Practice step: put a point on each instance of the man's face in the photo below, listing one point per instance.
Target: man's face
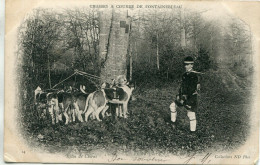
(188, 67)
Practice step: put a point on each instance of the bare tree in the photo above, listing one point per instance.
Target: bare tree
(38, 36)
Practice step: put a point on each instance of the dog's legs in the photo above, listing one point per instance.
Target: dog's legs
(97, 112)
(66, 115)
(59, 113)
(124, 110)
(60, 117)
(69, 112)
(89, 111)
(52, 115)
(104, 110)
(44, 113)
(61, 107)
(56, 114)
(117, 111)
(77, 112)
(73, 115)
(93, 116)
(80, 113)
(120, 110)
(56, 111)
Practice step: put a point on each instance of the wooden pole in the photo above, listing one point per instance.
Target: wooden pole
(49, 72)
(131, 64)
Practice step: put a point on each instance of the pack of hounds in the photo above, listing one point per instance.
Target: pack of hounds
(73, 105)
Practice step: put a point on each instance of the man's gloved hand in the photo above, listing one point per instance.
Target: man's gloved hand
(184, 97)
(181, 99)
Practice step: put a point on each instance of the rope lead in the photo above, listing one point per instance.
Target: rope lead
(77, 72)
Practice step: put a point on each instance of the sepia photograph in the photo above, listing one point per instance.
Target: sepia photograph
(131, 82)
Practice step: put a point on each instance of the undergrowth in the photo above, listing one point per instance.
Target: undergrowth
(223, 123)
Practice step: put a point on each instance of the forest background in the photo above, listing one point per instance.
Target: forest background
(54, 43)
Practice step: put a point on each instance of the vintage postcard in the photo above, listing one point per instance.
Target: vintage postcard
(132, 82)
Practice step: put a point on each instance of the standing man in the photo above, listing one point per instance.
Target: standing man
(187, 96)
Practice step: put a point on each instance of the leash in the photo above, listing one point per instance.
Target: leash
(91, 80)
(63, 80)
(87, 75)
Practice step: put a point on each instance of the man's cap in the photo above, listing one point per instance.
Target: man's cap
(188, 60)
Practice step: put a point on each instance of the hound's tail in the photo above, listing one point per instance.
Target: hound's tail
(36, 92)
(82, 89)
(87, 102)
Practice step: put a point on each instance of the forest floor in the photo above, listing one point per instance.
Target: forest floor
(223, 121)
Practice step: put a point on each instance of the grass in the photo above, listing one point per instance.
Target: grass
(223, 123)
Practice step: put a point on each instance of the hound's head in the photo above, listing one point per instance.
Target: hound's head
(37, 90)
(105, 85)
(121, 80)
(52, 99)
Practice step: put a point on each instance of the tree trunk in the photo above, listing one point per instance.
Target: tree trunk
(114, 36)
(157, 52)
(183, 33)
(49, 71)
(105, 26)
